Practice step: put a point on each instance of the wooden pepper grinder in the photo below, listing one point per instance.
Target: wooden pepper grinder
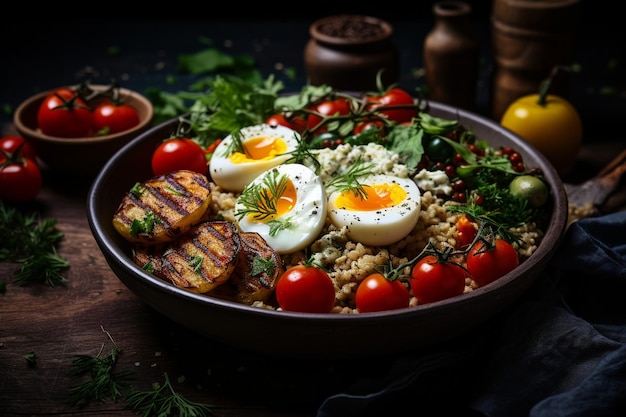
(451, 56)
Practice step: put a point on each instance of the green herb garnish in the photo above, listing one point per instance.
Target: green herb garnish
(260, 199)
(260, 265)
(196, 263)
(163, 400)
(349, 181)
(31, 358)
(145, 225)
(31, 243)
(103, 382)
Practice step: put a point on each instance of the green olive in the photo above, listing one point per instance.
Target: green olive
(531, 188)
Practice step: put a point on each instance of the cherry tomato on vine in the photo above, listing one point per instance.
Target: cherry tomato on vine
(394, 97)
(368, 125)
(10, 144)
(110, 117)
(434, 280)
(377, 293)
(488, 262)
(20, 178)
(305, 289)
(339, 106)
(298, 124)
(63, 113)
(179, 153)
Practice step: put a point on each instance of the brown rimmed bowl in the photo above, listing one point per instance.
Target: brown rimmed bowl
(85, 155)
(317, 335)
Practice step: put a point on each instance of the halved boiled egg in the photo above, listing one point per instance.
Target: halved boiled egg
(382, 212)
(243, 156)
(286, 205)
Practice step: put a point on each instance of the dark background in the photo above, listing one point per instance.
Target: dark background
(141, 49)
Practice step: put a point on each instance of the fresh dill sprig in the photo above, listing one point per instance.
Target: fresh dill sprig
(278, 225)
(31, 242)
(163, 400)
(302, 154)
(103, 382)
(236, 144)
(260, 199)
(349, 181)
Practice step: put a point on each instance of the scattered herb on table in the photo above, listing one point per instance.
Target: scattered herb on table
(32, 243)
(163, 400)
(103, 381)
(31, 358)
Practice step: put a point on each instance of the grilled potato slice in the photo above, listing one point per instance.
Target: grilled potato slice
(148, 258)
(258, 269)
(163, 208)
(204, 258)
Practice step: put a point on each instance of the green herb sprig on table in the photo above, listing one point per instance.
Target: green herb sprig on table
(103, 381)
(32, 243)
(163, 400)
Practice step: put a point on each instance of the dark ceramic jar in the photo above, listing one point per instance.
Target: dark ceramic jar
(451, 56)
(346, 52)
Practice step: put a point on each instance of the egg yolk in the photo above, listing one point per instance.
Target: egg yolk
(379, 196)
(258, 149)
(287, 201)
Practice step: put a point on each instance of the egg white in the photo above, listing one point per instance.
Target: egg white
(306, 218)
(382, 226)
(232, 171)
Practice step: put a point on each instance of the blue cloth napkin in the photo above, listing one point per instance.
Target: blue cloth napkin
(559, 351)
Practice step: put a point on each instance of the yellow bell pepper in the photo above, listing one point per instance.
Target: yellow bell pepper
(549, 123)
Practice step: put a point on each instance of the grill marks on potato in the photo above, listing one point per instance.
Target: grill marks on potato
(211, 254)
(257, 270)
(204, 258)
(166, 219)
(163, 208)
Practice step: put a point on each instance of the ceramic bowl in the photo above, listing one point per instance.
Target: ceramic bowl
(78, 156)
(317, 335)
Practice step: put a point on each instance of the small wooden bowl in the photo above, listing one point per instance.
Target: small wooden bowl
(79, 156)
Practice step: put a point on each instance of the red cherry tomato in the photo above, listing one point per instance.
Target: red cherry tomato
(394, 97)
(488, 262)
(305, 289)
(433, 280)
(297, 123)
(20, 179)
(338, 106)
(179, 153)
(368, 125)
(377, 293)
(10, 144)
(109, 118)
(467, 231)
(64, 114)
